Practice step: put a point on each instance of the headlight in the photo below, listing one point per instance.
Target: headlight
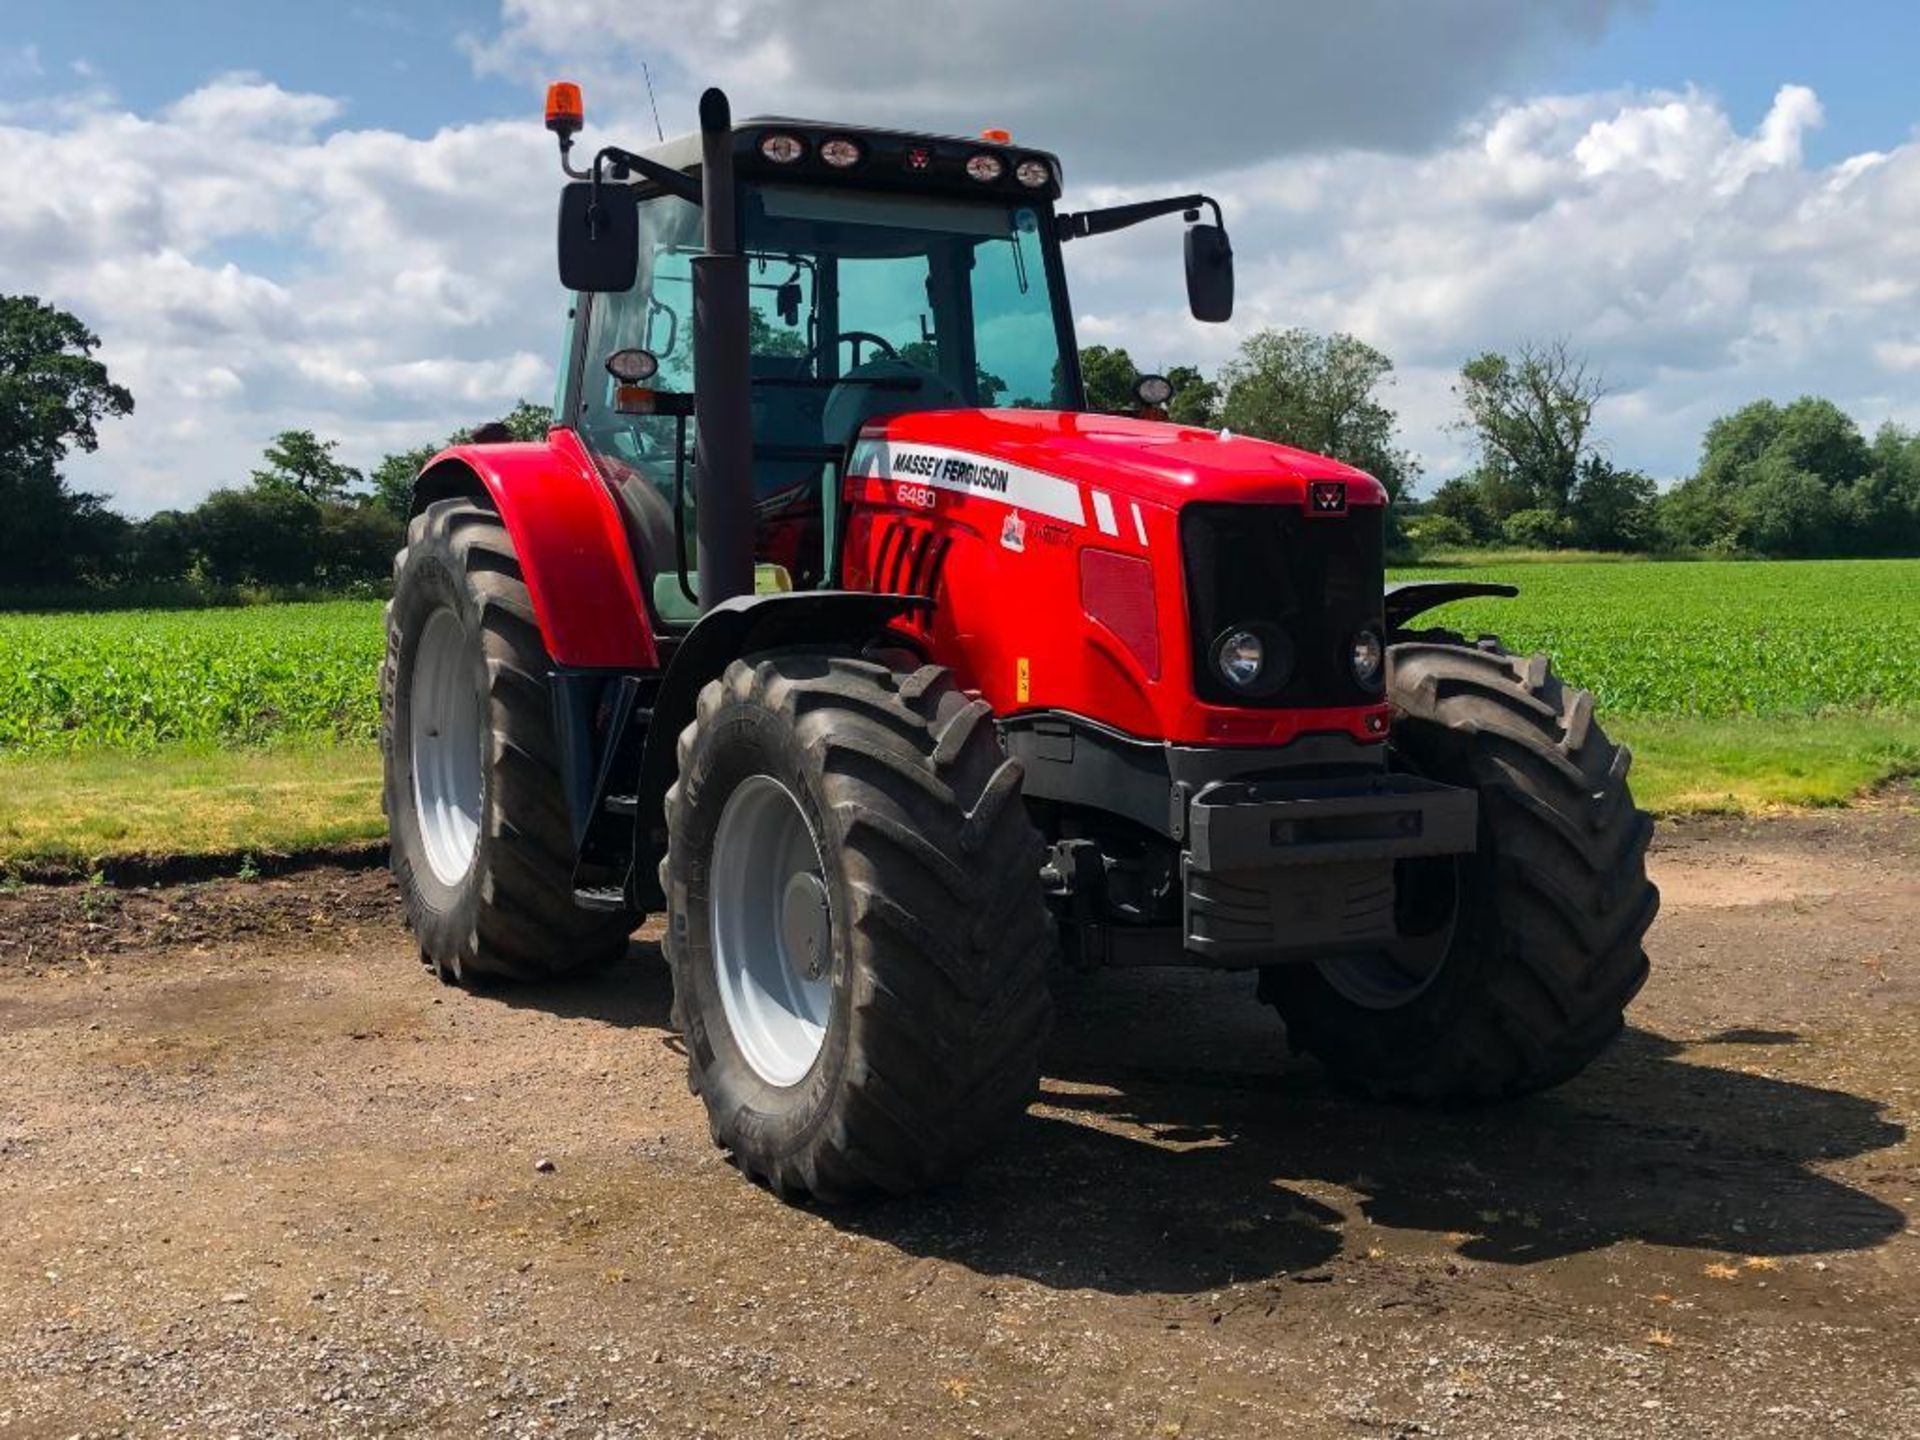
(1241, 657)
(1253, 659)
(1368, 658)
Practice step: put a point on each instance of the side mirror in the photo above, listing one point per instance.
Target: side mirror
(1209, 273)
(599, 237)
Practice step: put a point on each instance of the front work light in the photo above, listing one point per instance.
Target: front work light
(1153, 391)
(1034, 174)
(985, 168)
(633, 367)
(782, 149)
(840, 153)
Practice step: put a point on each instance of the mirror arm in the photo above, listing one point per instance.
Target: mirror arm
(1120, 217)
(674, 182)
(567, 166)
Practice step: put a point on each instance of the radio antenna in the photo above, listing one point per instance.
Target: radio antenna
(653, 102)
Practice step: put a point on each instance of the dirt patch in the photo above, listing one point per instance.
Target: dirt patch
(1794, 859)
(262, 1175)
(64, 926)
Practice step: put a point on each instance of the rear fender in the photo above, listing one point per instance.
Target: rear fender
(744, 625)
(566, 531)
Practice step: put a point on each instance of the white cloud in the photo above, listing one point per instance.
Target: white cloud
(254, 263)
(250, 266)
(1698, 266)
(245, 103)
(1898, 355)
(1122, 87)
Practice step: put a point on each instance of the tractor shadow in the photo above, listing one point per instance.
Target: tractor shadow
(1177, 1148)
(633, 992)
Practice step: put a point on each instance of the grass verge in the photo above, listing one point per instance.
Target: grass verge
(71, 813)
(1747, 766)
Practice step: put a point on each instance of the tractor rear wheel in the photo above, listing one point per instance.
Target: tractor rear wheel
(481, 844)
(856, 929)
(1517, 962)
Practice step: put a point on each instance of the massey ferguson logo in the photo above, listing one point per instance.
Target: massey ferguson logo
(974, 474)
(1327, 497)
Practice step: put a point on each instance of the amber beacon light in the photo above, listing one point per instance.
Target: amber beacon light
(565, 113)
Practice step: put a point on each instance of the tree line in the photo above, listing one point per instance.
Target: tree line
(303, 520)
(1782, 480)
(1794, 479)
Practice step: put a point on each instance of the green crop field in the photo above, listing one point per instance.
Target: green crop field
(1739, 685)
(1704, 638)
(139, 678)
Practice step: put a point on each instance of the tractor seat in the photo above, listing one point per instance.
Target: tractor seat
(647, 517)
(851, 406)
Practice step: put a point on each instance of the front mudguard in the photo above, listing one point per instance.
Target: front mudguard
(1416, 597)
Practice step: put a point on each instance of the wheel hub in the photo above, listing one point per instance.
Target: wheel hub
(772, 927)
(803, 924)
(443, 734)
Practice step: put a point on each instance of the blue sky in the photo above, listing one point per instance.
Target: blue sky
(398, 66)
(1857, 55)
(337, 216)
(403, 66)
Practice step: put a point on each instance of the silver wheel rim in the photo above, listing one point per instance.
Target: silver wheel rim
(1405, 969)
(772, 931)
(443, 729)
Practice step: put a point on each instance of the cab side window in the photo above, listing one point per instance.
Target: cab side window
(656, 314)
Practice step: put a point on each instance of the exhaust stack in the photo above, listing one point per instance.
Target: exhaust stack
(723, 418)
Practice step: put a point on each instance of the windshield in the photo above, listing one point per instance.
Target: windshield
(950, 297)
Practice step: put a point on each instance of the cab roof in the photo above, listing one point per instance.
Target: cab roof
(889, 159)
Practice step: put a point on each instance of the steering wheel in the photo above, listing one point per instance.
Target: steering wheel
(857, 338)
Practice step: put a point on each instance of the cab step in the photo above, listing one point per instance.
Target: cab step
(600, 897)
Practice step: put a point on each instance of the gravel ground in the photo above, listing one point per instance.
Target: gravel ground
(261, 1175)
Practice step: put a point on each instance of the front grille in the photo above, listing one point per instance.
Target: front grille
(1317, 578)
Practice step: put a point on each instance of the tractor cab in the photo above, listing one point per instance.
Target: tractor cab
(887, 273)
(861, 304)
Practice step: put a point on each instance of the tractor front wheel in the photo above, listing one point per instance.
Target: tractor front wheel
(480, 841)
(1515, 963)
(856, 929)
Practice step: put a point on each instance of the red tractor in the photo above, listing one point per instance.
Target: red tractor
(828, 622)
